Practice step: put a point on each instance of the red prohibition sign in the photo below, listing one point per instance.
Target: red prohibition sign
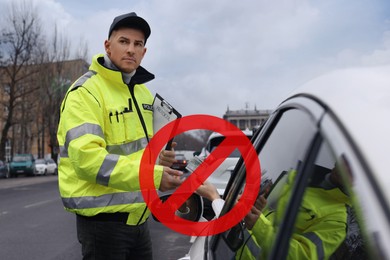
(165, 211)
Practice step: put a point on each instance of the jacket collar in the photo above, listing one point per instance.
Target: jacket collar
(141, 75)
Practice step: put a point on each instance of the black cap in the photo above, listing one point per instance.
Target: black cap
(130, 20)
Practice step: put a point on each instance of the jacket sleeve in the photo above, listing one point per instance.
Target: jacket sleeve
(318, 242)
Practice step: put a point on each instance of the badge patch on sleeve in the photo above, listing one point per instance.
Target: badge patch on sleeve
(147, 107)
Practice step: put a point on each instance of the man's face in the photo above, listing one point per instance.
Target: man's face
(126, 49)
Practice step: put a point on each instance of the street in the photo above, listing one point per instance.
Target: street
(34, 225)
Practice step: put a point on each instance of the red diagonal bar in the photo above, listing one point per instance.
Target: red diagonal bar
(202, 172)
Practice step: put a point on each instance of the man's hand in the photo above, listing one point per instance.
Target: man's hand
(260, 202)
(251, 218)
(170, 179)
(167, 157)
(255, 212)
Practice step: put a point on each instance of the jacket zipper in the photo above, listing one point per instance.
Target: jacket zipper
(131, 89)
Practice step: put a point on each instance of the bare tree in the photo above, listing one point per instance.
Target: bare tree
(82, 50)
(21, 37)
(53, 86)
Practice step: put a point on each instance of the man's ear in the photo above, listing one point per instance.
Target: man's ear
(145, 49)
(107, 46)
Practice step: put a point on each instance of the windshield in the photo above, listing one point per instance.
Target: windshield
(21, 158)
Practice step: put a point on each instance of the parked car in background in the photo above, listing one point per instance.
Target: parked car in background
(324, 154)
(40, 167)
(51, 166)
(22, 164)
(4, 173)
(181, 162)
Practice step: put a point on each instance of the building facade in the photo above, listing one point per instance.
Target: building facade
(247, 118)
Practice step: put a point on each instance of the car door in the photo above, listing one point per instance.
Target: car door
(283, 145)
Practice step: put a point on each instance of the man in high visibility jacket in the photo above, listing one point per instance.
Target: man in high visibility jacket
(105, 124)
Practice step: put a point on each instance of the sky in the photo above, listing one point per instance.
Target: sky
(209, 56)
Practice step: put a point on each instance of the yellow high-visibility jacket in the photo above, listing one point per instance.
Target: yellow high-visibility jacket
(102, 140)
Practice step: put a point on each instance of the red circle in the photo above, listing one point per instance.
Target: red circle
(165, 211)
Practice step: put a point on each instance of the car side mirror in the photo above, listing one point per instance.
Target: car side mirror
(191, 209)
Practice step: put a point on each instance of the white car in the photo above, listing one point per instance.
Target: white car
(40, 167)
(51, 166)
(335, 123)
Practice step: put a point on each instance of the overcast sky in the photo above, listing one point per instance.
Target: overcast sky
(208, 55)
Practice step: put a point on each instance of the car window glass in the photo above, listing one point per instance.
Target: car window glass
(321, 219)
(326, 226)
(284, 152)
(280, 157)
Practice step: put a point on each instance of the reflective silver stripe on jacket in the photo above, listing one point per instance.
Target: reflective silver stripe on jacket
(104, 173)
(318, 242)
(105, 200)
(123, 149)
(128, 148)
(251, 245)
(84, 78)
(78, 131)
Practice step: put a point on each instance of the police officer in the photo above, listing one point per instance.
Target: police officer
(105, 124)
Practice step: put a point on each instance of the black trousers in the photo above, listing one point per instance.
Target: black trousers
(112, 239)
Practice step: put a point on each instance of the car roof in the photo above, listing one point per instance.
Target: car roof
(360, 99)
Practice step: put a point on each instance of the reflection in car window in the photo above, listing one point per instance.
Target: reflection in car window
(321, 222)
(325, 224)
(280, 157)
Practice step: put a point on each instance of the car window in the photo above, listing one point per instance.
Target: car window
(319, 221)
(334, 231)
(40, 161)
(51, 161)
(21, 158)
(281, 156)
